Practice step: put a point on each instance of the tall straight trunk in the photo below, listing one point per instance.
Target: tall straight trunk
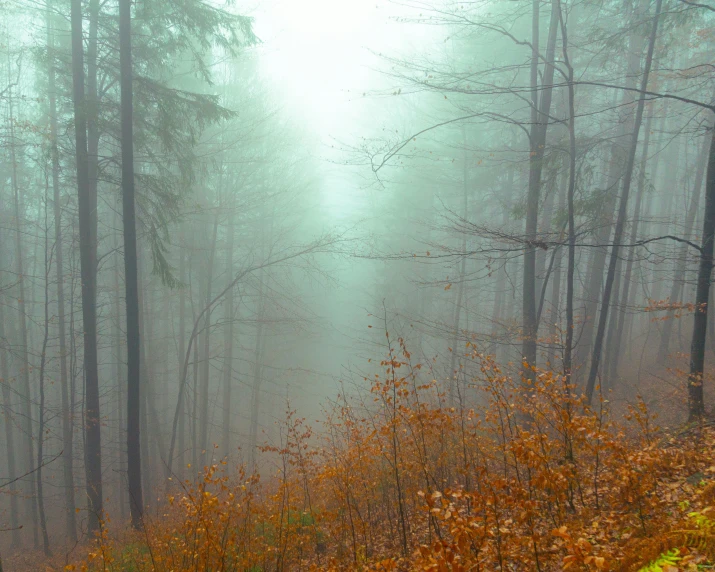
(8, 413)
(543, 256)
(92, 100)
(501, 284)
(182, 352)
(228, 348)
(610, 337)
(195, 412)
(67, 437)
(27, 429)
(258, 354)
(146, 382)
(660, 271)
(571, 265)
(556, 282)
(676, 290)
(648, 211)
(119, 380)
(206, 361)
(41, 387)
(168, 328)
(696, 405)
(597, 266)
(148, 368)
(453, 373)
(537, 141)
(622, 212)
(257, 382)
(131, 269)
(597, 262)
(626, 297)
(93, 440)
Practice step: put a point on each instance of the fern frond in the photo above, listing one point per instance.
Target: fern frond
(670, 558)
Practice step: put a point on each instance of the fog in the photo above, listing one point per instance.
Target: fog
(313, 181)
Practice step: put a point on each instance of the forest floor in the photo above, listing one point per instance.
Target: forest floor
(540, 482)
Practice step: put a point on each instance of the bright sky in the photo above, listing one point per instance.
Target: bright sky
(321, 53)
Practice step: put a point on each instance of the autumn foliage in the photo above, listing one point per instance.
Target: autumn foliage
(510, 475)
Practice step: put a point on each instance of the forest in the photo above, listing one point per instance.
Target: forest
(357, 285)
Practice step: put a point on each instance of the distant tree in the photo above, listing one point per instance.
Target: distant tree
(93, 451)
(136, 504)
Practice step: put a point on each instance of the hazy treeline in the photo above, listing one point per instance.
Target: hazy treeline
(534, 178)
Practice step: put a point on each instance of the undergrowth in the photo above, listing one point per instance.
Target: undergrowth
(510, 475)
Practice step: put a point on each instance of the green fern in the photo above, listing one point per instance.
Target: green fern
(670, 558)
(702, 521)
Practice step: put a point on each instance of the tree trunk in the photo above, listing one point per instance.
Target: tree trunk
(146, 381)
(537, 140)
(206, 357)
(625, 299)
(453, 366)
(502, 275)
(676, 290)
(93, 124)
(93, 452)
(119, 380)
(67, 437)
(622, 212)
(182, 351)
(612, 325)
(41, 384)
(257, 382)
(228, 349)
(29, 447)
(570, 271)
(194, 413)
(8, 413)
(131, 271)
(556, 283)
(696, 405)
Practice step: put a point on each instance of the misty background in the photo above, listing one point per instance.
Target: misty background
(313, 174)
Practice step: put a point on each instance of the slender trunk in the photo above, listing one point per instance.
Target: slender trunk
(145, 388)
(8, 413)
(501, 285)
(92, 99)
(41, 383)
(25, 388)
(453, 374)
(93, 452)
(194, 412)
(131, 270)
(663, 226)
(570, 202)
(696, 405)
(258, 357)
(617, 351)
(257, 381)
(67, 437)
(182, 352)
(556, 284)
(228, 349)
(676, 290)
(612, 325)
(206, 361)
(622, 212)
(597, 266)
(119, 379)
(537, 140)
(543, 256)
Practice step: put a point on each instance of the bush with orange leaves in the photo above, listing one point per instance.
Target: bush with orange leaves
(503, 475)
